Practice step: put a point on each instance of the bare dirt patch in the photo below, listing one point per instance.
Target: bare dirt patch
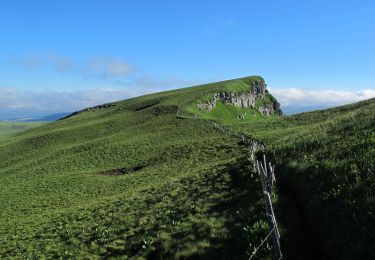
(122, 171)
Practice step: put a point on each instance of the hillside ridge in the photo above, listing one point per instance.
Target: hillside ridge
(134, 180)
(248, 95)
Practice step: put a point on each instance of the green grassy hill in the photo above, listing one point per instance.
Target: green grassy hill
(9, 128)
(131, 179)
(151, 177)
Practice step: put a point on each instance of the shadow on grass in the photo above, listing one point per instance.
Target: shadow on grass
(216, 213)
(242, 208)
(299, 240)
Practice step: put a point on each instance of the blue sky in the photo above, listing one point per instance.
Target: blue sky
(309, 52)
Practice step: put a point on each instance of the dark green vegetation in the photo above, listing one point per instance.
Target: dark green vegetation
(134, 180)
(325, 165)
(8, 128)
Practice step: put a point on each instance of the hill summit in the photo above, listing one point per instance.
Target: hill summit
(229, 101)
(255, 97)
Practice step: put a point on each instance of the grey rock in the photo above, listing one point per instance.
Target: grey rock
(270, 109)
(245, 100)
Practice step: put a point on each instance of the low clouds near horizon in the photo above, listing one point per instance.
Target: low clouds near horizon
(303, 97)
(12, 99)
(16, 101)
(123, 80)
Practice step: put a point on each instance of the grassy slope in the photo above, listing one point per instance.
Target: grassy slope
(9, 128)
(186, 190)
(182, 191)
(325, 162)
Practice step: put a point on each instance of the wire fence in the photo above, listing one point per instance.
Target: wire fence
(267, 176)
(260, 245)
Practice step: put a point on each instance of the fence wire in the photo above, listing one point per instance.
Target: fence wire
(261, 244)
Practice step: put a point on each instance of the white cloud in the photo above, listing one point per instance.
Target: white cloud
(302, 97)
(13, 100)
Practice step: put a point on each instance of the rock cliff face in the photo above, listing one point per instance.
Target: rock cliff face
(257, 91)
(270, 109)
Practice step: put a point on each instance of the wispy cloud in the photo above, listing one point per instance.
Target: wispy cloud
(30, 61)
(216, 25)
(225, 23)
(53, 101)
(159, 84)
(60, 63)
(121, 80)
(302, 97)
(109, 67)
(105, 67)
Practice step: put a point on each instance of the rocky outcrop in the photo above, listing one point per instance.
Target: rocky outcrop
(257, 91)
(270, 109)
(208, 106)
(98, 107)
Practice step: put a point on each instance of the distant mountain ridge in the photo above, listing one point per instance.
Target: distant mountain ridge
(50, 118)
(292, 109)
(33, 118)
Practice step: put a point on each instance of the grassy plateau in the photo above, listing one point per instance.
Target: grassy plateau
(143, 179)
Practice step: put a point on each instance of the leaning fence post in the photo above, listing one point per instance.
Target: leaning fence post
(261, 175)
(273, 226)
(267, 174)
(271, 176)
(265, 164)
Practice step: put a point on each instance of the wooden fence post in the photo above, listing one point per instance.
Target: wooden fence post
(273, 226)
(261, 175)
(267, 177)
